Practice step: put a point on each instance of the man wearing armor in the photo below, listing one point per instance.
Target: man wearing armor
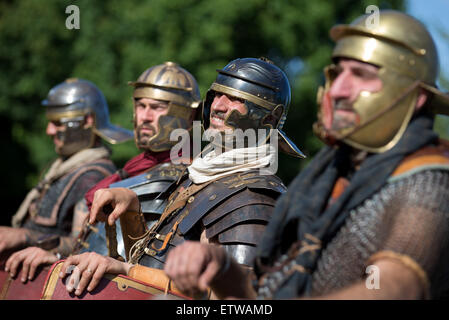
(220, 200)
(165, 98)
(368, 217)
(78, 120)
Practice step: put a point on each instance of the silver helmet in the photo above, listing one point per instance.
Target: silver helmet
(69, 102)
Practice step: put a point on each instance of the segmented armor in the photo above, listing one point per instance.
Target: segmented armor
(232, 211)
(153, 189)
(52, 212)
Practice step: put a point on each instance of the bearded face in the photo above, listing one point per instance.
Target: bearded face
(342, 116)
(350, 79)
(146, 119)
(144, 132)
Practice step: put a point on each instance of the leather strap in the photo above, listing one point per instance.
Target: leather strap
(180, 200)
(431, 155)
(169, 235)
(339, 187)
(158, 278)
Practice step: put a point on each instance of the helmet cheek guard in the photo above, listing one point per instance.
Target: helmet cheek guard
(75, 136)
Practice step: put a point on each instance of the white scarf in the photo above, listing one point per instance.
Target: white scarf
(213, 166)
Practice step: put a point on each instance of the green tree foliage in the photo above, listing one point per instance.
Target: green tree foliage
(118, 40)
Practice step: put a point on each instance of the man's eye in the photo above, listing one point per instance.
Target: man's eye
(364, 74)
(334, 71)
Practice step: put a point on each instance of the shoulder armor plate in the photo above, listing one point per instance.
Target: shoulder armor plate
(165, 173)
(223, 189)
(256, 214)
(243, 233)
(151, 186)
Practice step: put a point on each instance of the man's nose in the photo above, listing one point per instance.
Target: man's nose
(220, 103)
(51, 129)
(148, 114)
(341, 87)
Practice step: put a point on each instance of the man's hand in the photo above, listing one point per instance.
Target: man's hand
(88, 270)
(120, 199)
(193, 266)
(30, 258)
(11, 238)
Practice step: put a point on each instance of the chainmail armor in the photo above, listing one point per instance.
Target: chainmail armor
(409, 216)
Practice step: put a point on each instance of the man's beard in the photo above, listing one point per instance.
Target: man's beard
(143, 139)
(348, 119)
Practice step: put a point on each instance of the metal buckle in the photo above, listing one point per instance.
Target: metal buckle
(160, 236)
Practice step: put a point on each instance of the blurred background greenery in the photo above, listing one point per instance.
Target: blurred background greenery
(118, 40)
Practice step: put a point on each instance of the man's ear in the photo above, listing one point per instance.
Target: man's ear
(423, 96)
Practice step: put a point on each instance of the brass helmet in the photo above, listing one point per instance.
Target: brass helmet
(170, 83)
(407, 58)
(266, 93)
(68, 103)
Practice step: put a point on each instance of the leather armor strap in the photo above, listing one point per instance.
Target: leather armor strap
(339, 187)
(180, 199)
(176, 200)
(168, 236)
(428, 156)
(431, 155)
(152, 276)
(158, 278)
